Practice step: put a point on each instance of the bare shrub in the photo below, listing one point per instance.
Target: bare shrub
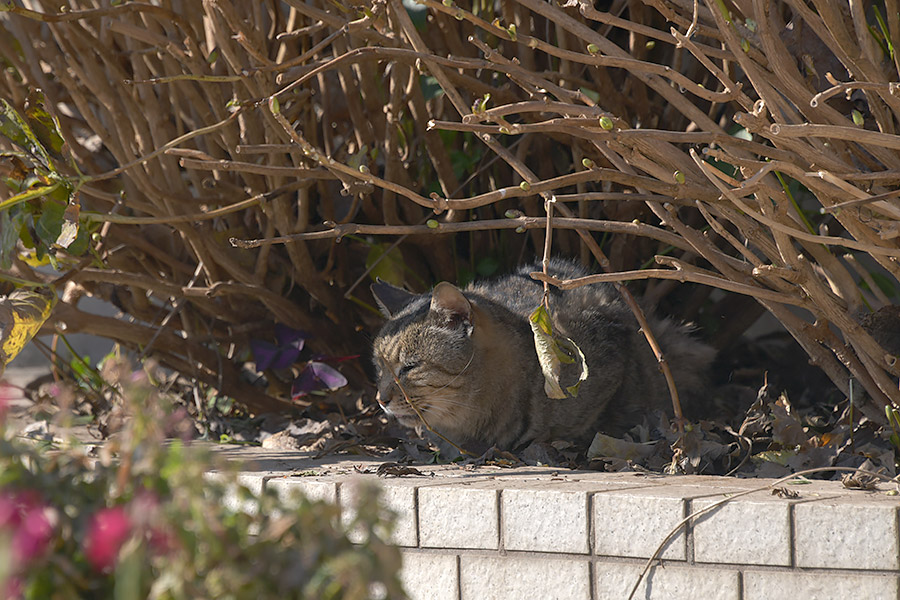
(751, 149)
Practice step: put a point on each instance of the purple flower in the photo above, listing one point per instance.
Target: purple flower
(108, 530)
(280, 355)
(317, 376)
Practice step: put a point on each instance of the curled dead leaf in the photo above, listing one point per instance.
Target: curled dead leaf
(553, 351)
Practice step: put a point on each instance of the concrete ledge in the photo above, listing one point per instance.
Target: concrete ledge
(544, 533)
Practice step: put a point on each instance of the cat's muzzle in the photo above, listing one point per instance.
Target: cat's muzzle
(383, 405)
(396, 411)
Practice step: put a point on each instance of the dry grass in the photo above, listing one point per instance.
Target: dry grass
(750, 145)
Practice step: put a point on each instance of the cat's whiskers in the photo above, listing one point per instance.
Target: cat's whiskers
(458, 375)
(444, 404)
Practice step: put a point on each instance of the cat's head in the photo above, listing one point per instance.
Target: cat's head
(424, 355)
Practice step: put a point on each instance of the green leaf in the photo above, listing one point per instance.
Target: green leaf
(487, 266)
(430, 87)
(35, 192)
(885, 283)
(44, 126)
(592, 94)
(16, 129)
(779, 457)
(10, 226)
(81, 243)
(885, 31)
(129, 570)
(389, 267)
(417, 12)
(49, 225)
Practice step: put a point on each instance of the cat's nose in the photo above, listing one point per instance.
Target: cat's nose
(381, 402)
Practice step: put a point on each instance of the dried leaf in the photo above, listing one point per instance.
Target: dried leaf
(860, 481)
(397, 470)
(787, 429)
(553, 351)
(605, 446)
(783, 492)
(69, 228)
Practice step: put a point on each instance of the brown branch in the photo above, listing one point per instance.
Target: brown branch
(338, 231)
(682, 275)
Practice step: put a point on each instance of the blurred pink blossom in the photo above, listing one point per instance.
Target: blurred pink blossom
(31, 522)
(108, 530)
(12, 505)
(147, 516)
(33, 535)
(13, 588)
(6, 396)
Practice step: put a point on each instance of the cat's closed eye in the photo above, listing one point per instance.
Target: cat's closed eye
(407, 368)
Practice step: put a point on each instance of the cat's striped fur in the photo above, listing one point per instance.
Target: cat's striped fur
(466, 360)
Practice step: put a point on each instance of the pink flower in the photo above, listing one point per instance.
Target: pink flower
(31, 522)
(13, 589)
(108, 530)
(6, 396)
(147, 517)
(10, 509)
(33, 535)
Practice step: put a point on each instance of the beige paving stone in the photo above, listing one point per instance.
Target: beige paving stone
(314, 489)
(545, 520)
(518, 578)
(400, 500)
(614, 581)
(458, 517)
(770, 585)
(233, 497)
(850, 534)
(752, 530)
(430, 576)
(633, 523)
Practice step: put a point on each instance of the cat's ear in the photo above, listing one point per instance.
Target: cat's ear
(450, 306)
(390, 298)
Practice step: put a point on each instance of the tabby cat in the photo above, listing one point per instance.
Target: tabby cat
(467, 361)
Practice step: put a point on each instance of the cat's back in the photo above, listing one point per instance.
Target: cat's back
(521, 294)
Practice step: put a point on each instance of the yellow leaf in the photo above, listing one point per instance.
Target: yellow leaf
(31, 259)
(22, 314)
